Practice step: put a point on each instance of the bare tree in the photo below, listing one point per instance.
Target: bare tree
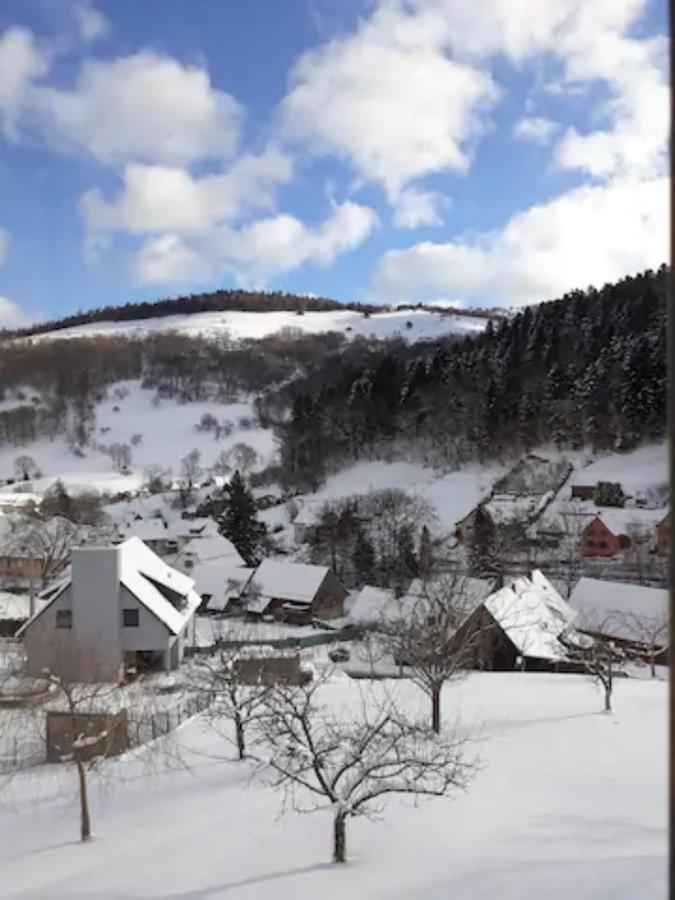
(423, 634)
(355, 758)
(601, 659)
(651, 632)
(156, 478)
(120, 456)
(243, 457)
(47, 543)
(190, 468)
(25, 467)
(231, 695)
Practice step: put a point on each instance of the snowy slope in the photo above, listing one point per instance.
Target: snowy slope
(569, 802)
(168, 434)
(425, 325)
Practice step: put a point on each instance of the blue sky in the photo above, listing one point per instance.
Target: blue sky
(496, 153)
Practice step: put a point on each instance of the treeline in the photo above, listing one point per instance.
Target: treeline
(588, 369)
(216, 301)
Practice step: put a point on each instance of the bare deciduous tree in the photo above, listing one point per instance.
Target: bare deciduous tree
(25, 467)
(48, 543)
(190, 468)
(243, 457)
(353, 759)
(601, 659)
(423, 635)
(651, 631)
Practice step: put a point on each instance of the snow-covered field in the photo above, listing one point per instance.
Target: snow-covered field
(569, 802)
(425, 325)
(168, 434)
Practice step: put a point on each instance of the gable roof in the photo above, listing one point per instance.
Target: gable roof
(371, 604)
(533, 616)
(284, 580)
(150, 580)
(622, 520)
(611, 604)
(210, 548)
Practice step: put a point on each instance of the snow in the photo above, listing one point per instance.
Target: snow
(452, 494)
(426, 325)
(168, 434)
(292, 581)
(568, 802)
(626, 520)
(637, 471)
(370, 605)
(602, 600)
(209, 548)
(14, 606)
(533, 616)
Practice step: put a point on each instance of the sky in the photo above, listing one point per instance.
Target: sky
(495, 153)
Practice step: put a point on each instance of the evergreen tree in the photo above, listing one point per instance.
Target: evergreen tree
(363, 557)
(425, 554)
(58, 502)
(238, 522)
(482, 548)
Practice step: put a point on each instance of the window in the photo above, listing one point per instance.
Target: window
(64, 618)
(130, 618)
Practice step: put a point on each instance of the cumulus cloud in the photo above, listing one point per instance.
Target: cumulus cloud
(534, 128)
(91, 22)
(590, 235)
(388, 99)
(256, 251)
(21, 61)
(415, 207)
(171, 199)
(11, 314)
(146, 107)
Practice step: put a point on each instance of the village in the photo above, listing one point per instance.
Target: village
(556, 569)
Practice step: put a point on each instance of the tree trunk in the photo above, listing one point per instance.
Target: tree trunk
(652, 664)
(85, 824)
(339, 839)
(608, 698)
(436, 709)
(241, 743)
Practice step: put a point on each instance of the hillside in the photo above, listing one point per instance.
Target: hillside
(412, 325)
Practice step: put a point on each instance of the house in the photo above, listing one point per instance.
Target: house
(154, 533)
(15, 611)
(612, 531)
(120, 609)
(38, 550)
(215, 566)
(632, 615)
(534, 476)
(663, 536)
(306, 522)
(19, 502)
(522, 625)
(223, 595)
(294, 592)
(371, 605)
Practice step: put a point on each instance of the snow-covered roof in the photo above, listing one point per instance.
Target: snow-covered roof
(309, 514)
(624, 520)
(14, 606)
(287, 580)
(636, 471)
(209, 580)
(533, 615)
(140, 567)
(198, 527)
(149, 579)
(506, 508)
(211, 547)
(610, 605)
(17, 499)
(370, 605)
(153, 529)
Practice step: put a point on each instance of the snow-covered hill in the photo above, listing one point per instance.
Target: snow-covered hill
(424, 325)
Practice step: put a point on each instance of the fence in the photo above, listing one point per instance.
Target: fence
(145, 728)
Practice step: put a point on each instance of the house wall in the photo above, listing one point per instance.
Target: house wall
(49, 647)
(329, 600)
(583, 491)
(97, 621)
(20, 567)
(151, 634)
(464, 528)
(598, 541)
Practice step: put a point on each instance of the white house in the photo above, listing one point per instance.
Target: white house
(120, 608)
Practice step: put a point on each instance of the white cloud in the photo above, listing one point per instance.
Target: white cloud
(534, 128)
(171, 199)
(21, 61)
(590, 235)
(143, 108)
(256, 251)
(91, 22)
(388, 99)
(415, 207)
(4, 244)
(11, 314)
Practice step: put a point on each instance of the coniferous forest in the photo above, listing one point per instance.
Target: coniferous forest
(587, 369)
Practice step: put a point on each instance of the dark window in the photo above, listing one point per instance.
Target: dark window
(64, 618)
(130, 618)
